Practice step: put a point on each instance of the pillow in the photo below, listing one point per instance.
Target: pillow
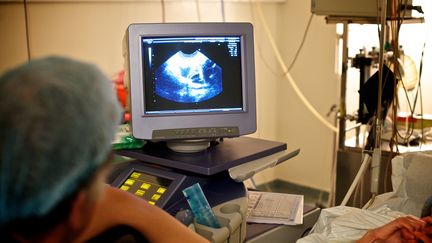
(411, 181)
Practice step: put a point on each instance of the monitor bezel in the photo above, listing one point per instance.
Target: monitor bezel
(143, 125)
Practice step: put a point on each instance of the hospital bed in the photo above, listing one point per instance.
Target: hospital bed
(412, 186)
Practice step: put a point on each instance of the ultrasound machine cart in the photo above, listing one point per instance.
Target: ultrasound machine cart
(191, 83)
(158, 175)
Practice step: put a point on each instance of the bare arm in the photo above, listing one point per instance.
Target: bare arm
(117, 207)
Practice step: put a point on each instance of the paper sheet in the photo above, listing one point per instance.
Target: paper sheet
(274, 208)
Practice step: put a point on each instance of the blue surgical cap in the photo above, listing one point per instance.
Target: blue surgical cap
(57, 119)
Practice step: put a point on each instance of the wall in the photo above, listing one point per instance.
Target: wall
(315, 75)
(93, 31)
(12, 36)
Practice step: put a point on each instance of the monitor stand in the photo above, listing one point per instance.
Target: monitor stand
(227, 154)
(188, 146)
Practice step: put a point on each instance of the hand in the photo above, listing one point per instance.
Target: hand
(398, 230)
(426, 234)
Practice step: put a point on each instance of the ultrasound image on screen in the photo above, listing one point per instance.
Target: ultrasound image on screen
(192, 74)
(188, 78)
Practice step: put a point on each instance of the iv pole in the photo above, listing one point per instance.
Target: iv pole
(376, 156)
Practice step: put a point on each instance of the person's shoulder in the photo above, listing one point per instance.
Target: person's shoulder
(7, 236)
(119, 234)
(119, 198)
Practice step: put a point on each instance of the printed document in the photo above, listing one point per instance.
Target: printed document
(274, 208)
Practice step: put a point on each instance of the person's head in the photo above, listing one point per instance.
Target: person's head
(57, 119)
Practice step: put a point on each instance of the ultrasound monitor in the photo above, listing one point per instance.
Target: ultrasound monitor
(191, 81)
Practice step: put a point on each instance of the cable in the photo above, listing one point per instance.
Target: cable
(222, 3)
(332, 195)
(380, 78)
(360, 188)
(371, 201)
(362, 179)
(258, 45)
(421, 112)
(395, 34)
(376, 156)
(198, 10)
(387, 169)
(27, 30)
(365, 163)
(418, 95)
(410, 128)
(301, 43)
(288, 76)
(421, 95)
(163, 11)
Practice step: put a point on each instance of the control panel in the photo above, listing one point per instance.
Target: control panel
(196, 133)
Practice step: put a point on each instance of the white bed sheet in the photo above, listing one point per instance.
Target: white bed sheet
(412, 185)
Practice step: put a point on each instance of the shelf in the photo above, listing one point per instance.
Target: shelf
(368, 20)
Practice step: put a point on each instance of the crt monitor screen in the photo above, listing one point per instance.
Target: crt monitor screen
(191, 80)
(192, 74)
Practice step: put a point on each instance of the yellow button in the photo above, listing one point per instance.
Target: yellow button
(139, 193)
(155, 197)
(135, 175)
(124, 188)
(161, 190)
(152, 203)
(129, 182)
(145, 186)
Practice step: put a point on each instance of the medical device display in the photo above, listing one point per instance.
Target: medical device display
(191, 80)
(149, 187)
(202, 75)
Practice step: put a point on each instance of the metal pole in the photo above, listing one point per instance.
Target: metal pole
(378, 119)
(342, 108)
(376, 156)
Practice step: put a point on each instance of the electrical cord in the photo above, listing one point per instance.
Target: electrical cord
(410, 122)
(387, 169)
(163, 11)
(198, 10)
(362, 181)
(421, 96)
(288, 76)
(371, 201)
(332, 195)
(360, 184)
(397, 18)
(290, 79)
(301, 44)
(258, 46)
(419, 90)
(27, 31)
(378, 123)
(380, 77)
(358, 188)
(222, 3)
(366, 158)
(410, 129)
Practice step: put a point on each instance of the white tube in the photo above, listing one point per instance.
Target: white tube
(288, 75)
(364, 165)
(375, 170)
